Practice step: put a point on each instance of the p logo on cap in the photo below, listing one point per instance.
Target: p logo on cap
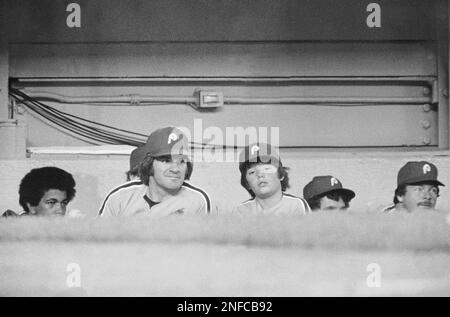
(333, 181)
(414, 172)
(172, 137)
(254, 149)
(259, 153)
(426, 168)
(166, 141)
(321, 185)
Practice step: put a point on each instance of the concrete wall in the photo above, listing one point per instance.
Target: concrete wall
(55, 69)
(219, 20)
(371, 175)
(238, 39)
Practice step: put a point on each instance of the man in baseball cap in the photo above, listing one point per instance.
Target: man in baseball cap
(417, 187)
(266, 180)
(162, 189)
(326, 193)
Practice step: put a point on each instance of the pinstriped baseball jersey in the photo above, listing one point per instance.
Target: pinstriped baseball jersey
(131, 199)
(288, 205)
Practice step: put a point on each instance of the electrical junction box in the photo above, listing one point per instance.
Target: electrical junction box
(208, 99)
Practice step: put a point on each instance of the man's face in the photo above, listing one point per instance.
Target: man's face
(169, 172)
(327, 204)
(263, 180)
(53, 203)
(419, 197)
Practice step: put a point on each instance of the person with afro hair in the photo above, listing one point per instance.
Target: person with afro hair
(45, 191)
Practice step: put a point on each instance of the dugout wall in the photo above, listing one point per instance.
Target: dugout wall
(323, 72)
(355, 88)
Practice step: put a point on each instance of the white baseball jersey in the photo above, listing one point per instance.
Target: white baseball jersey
(390, 208)
(396, 208)
(12, 213)
(131, 199)
(288, 205)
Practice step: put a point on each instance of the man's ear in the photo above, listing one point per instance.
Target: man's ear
(31, 209)
(400, 198)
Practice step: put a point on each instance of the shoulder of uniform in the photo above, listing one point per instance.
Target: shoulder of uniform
(244, 206)
(10, 213)
(201, 192)
(289, 196)
(119, 189)
(251, 200)
(125, 186)
(301, 200)
(292, 196)
(389, 208)
(196, 189)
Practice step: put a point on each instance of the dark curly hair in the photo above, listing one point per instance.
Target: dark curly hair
(38, 181)
(146, 168)
(134, 172)
(282, 175)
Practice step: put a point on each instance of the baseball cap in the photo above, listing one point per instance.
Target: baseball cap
(259, 152)
(137, 156)
(324, 184)
(418, 172)
(166, 141)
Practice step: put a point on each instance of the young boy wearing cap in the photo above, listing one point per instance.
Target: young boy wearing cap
(326, 193)
(162, 190)
(417, 187)
(265, 179)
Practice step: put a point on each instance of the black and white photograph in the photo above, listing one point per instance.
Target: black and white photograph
(224, 153)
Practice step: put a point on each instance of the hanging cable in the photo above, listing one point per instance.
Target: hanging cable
(89, 129)
(94, 131)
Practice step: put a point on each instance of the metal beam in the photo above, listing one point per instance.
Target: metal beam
(134, 99)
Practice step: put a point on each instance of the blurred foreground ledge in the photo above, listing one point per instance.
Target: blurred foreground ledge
(313, 255)
(427, 231)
